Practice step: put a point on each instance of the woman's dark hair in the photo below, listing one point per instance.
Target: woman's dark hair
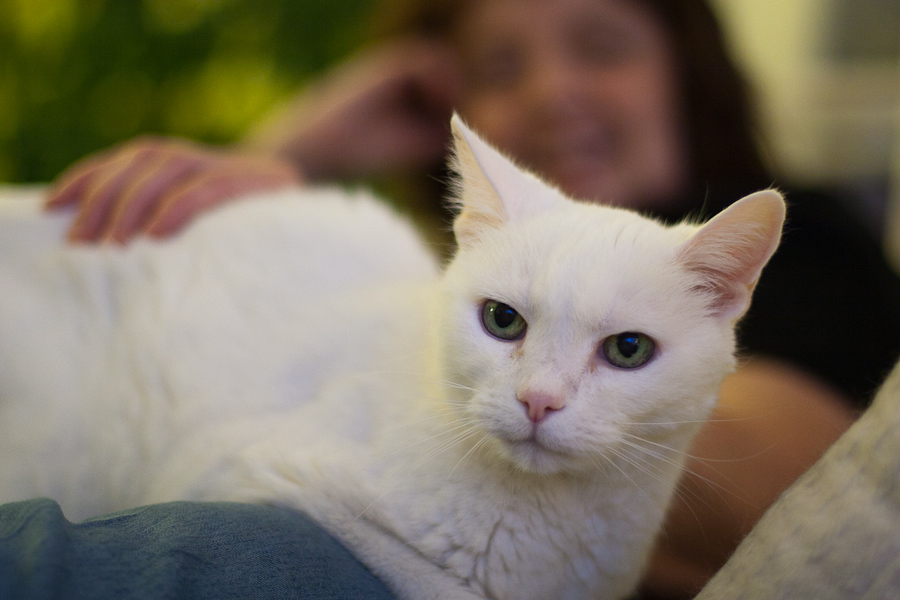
(725, 156)
(718, 111)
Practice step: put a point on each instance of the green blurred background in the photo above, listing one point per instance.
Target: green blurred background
(80, 75)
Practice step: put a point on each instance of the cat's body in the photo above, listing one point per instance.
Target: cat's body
(302, 349)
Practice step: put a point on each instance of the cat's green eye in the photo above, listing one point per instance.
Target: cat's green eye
(502, 321)
(628, 350)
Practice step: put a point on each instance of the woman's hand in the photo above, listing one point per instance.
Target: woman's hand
(387, 110)
(155, 186)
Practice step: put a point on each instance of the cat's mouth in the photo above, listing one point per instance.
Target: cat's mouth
(533, 453)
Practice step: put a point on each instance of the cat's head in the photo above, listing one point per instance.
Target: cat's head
(582, 328)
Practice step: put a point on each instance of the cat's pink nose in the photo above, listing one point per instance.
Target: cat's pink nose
(539, 404)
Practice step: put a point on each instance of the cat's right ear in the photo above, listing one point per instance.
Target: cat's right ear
(491, 190)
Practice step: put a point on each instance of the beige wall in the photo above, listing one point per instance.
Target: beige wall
(827, 122)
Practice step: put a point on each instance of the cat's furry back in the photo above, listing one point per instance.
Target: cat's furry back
(466, 435)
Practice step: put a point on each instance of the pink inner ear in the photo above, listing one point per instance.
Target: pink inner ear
(728, 270)
(726, 290)
(728, 265)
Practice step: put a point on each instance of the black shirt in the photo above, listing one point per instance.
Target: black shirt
(828, 302)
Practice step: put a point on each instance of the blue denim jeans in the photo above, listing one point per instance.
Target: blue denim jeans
(176, 550)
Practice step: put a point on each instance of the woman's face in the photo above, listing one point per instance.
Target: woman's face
(583, 92)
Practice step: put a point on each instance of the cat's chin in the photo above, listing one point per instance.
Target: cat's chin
(533, 457)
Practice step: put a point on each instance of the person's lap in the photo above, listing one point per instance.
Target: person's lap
(176, 550)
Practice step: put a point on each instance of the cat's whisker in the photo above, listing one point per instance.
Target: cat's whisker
(625, 474)
(457, 386)
(701, 459)
(685, 468)
(437, 430)
(680, 492)
(467, 433)
(690, 422)
(688, 497)
(401, 449)
(423, 377)
(413, 433)
(714, 486)
(677, 491)
(374, 501)
(414, 424)
(708, 420)
(643, 460)
(467, 454)
(456, 440)
(420, 426)
(640, 464)
(453, 429)
(655, 454)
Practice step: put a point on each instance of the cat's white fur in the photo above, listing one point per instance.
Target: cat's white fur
(302, 349)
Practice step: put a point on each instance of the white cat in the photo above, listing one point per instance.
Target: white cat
(512, 428)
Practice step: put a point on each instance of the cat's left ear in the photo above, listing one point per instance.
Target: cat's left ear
(730, 251)
(492, 190)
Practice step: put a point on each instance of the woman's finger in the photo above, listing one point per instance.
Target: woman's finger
(230, 180)
(69, 187)
(141, 197)
(98, 195)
